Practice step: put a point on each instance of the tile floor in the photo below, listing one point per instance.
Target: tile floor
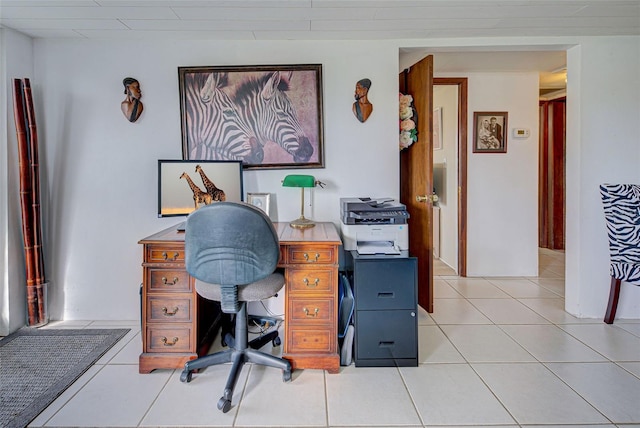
(495, 352)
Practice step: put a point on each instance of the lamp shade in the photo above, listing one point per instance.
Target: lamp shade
(296, 180)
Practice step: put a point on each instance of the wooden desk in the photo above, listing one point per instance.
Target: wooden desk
(176, 321)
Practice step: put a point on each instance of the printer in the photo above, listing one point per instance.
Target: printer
(374, 225)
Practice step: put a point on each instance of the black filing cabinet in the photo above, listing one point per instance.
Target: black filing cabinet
(386, 303)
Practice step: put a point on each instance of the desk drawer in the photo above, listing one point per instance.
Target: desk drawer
(310, 310)
(165, 254)
(169, 338)
(169, 280)
(310, 280)
(310, 340)
(169, 309)
(308, 255)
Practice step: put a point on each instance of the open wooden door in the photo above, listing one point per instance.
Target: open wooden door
(416, 176)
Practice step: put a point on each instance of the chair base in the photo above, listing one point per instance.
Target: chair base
(614, 295)
(240, 354)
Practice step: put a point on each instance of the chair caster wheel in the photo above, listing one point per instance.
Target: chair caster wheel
(276, 341)
(286, 375)
(185, 376)
(224, 405)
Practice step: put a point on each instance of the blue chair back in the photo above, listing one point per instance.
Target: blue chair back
(230, 243)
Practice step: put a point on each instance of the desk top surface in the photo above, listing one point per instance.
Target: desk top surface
(325, 232)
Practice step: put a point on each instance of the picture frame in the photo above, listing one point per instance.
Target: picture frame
(225, 115)
(488, 138)
(260, 200)
(176, 196)
(437, 128)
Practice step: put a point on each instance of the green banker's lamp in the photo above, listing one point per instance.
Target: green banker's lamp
(301, 181)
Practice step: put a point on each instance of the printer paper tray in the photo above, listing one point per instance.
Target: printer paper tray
(377, 248)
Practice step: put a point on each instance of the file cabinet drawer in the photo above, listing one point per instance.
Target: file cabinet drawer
(386, 334)
(387, 284)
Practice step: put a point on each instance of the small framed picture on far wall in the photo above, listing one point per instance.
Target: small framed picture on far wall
(260, 200)
(490, 132)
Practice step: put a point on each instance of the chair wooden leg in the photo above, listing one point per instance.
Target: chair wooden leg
(614, 294)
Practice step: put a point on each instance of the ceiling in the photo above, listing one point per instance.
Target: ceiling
(320, 19)
(337, 20)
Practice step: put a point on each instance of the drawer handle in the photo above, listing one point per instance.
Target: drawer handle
(166, 312)
(306, 257)
(313, 315)
(165, 341)
(166, 256)
(315, 283)
(388, 295)
(165, 281)
(386, 344)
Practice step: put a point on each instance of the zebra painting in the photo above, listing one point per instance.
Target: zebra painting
(214, 130)
(264, 106)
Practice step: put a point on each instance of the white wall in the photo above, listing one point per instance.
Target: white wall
(603, 96)
(503, 188)
(17, 62)
(446, 97)
(100, 170)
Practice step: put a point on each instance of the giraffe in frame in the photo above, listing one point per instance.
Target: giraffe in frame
(199, 197)
(216, 193)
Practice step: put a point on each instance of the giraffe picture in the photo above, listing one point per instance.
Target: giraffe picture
(184, 186)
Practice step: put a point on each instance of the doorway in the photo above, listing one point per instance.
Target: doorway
(450, 172)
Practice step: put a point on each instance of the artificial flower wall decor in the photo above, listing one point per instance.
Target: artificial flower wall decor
(408, 119)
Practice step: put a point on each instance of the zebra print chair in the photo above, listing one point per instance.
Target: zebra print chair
(622, 214)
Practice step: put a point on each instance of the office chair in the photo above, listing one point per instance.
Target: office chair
(622, 214)
(232, 250)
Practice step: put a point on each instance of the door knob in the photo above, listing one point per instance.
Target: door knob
(427, 198)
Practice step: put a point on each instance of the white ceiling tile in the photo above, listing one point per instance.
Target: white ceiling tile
(272, 13)
(88, 13)
(54, 34)
(391, 25)
(239, 13)
(475, 12)
(586, 22)
(49, 3)
(61, 24)
(343, 35)
(203, 25)
(168, 35)
(611, 10)
(208, 3)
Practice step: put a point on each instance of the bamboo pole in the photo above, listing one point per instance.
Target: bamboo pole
(39, 275)
(25, 198)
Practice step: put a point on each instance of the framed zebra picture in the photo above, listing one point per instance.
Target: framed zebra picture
(267, 116)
